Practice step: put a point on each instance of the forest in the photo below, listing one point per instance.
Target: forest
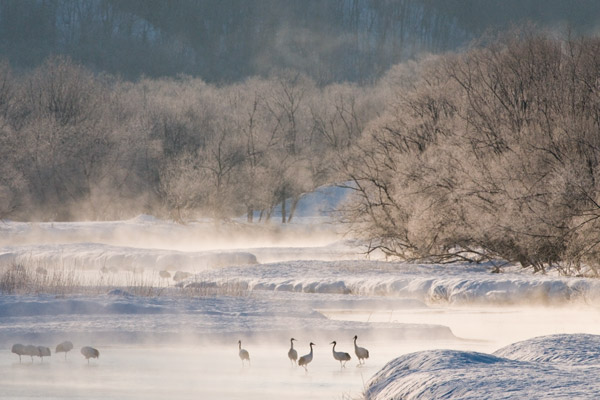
(222, 41)
(480, 151)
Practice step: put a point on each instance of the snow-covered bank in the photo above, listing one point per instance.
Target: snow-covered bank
(551, 367)
(95, 256)
(453, 284)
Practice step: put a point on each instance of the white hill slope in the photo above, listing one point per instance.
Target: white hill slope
(550, 367)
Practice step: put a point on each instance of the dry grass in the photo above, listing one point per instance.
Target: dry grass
(20, 279)
(24, 279)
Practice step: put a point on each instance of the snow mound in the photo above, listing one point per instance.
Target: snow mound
(449, 374)
(580, 349)
(99, 256)
(457, 284)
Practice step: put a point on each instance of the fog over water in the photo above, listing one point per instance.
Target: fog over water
(159, 338)
(199, 368)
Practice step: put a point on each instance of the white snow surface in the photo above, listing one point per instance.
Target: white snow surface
(96, 256)
(454, 284)
(549, 367)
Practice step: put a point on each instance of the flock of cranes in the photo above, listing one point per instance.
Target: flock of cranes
(90, 352)
(361, 353)
(42, 351)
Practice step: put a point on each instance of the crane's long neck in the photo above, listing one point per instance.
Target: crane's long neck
(311, 349)
(292, 343)
(334, 347)
(240, 345)
(355, 346)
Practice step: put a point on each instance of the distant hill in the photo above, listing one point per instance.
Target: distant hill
(229, 40)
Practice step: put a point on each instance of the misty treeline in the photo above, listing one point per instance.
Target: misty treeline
(492, 153)
(230, 40)
(77, 145)
(489, 154)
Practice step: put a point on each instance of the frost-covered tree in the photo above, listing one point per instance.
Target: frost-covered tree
(490, 154)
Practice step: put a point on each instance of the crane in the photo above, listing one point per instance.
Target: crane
(305, 359)
(361, 352)
(244, 355)
(64, 347)
(292, 354)
(340, 356)
(89, 352)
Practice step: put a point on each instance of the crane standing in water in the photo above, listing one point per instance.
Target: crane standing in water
(361, 352)
(340, 356)
(292, 353)
(244, 355)
(306, 359)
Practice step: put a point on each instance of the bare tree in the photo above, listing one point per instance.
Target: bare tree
(490, 155)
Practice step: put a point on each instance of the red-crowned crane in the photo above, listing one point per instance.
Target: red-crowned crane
(340, 356)
(306, 359)
(89, 352)
(361, 352)
(292, 354)
(244, 355)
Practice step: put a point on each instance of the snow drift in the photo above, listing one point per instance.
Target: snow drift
(540, 368)
(457, 284)
(96, 256)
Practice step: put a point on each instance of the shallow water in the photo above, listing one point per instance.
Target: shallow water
(488, 328)
(211, 371)
(179, 372)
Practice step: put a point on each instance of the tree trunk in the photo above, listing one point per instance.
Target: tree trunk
(293, 210)
(283, 220)
(250, 215)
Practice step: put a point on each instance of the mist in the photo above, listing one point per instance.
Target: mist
(414, 177)
(158, 337)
